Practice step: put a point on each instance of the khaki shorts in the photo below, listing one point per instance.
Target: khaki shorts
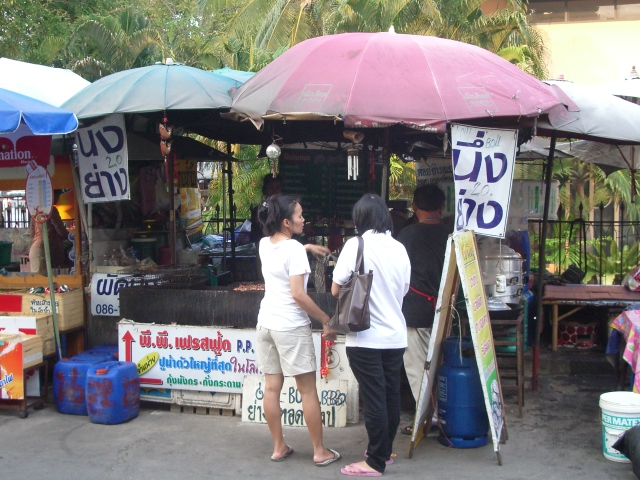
(289, 353)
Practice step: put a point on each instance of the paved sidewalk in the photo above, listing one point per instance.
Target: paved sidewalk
(559, 437)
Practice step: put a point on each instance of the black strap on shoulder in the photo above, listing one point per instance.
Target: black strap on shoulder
(359, 261)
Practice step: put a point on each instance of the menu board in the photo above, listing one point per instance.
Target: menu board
(319, 178)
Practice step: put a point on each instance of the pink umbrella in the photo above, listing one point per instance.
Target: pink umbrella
(382, 79)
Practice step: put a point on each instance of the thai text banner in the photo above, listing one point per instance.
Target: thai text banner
(105, 293)
(184, 357)
(103, 161)
(483, 161)
(481, 335)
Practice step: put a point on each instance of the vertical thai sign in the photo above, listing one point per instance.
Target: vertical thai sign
(38, 192)
(471, 281)
(483, 161)
(103, 161)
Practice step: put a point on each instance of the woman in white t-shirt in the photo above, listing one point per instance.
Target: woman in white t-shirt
(376, 355)
(285, 346)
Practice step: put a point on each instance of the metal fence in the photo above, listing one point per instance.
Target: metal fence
(14, 213)
(604, 249)
(215, 224)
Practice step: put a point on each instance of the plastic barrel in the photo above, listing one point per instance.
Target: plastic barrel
(5, 252)
(69, 383)
(145, 248)
(620, 412)
(461, 406)
(113, 392)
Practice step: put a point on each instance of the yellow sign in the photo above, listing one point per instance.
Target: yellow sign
(187, 173)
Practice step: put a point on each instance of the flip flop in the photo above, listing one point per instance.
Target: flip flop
(359, 472)
(280, 459)
(329, 461)
(388, 462)
(407, 430)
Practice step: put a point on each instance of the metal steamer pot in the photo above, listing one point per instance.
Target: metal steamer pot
(502, 274)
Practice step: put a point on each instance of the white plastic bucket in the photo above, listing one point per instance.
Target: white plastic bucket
(620, 411)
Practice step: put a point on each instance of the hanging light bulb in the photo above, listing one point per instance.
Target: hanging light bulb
(273, 151)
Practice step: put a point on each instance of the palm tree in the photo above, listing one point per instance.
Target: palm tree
(248, 173)
(504, 32)
(115, 43)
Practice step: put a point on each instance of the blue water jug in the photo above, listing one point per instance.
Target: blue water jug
(113, 392)
(70, 380)
(461, 407)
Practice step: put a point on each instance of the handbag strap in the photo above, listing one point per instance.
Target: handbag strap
(359, 259)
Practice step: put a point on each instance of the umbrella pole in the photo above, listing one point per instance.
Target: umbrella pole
(232, 212)
(52, 298)
(172, 206)
(541, 266)
(386, 158)
(84, 222)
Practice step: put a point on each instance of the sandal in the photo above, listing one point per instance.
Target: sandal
(407, 430)
(359, 472)
(280, 459)
(329, 461)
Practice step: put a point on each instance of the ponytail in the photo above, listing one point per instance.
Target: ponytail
(274, 210)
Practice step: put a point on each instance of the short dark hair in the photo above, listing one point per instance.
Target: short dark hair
(429, 198)
(274, 210)
(371, 213)
(269, 179)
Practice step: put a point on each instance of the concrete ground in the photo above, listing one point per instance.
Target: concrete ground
(559, 437)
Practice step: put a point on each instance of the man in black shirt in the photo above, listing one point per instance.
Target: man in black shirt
(426, 242)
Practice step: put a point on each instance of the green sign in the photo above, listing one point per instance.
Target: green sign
(471, 281)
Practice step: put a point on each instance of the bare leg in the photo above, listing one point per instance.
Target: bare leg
(306, 384)
(271, 405)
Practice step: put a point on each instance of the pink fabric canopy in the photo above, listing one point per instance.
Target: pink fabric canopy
(382, 79)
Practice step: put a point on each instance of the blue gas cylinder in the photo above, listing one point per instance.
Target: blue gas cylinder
(69, 382)
(113, 392)
(461, 407)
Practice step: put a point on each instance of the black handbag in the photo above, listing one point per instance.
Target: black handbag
(352, 310)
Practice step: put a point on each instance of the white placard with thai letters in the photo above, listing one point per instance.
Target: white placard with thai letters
(105, 293)
(188, 357)
(483, 161)
(331, 393)
(103, 160)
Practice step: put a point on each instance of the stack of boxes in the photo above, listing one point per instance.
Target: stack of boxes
(18, 352)
(27, 336)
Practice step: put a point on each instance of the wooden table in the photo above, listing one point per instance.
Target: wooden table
(581, 296)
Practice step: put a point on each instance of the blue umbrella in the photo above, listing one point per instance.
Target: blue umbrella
(40, 117)
(155, 88)
(238, 75)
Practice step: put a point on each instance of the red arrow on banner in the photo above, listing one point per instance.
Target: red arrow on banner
(128, 349)
(128, 346)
